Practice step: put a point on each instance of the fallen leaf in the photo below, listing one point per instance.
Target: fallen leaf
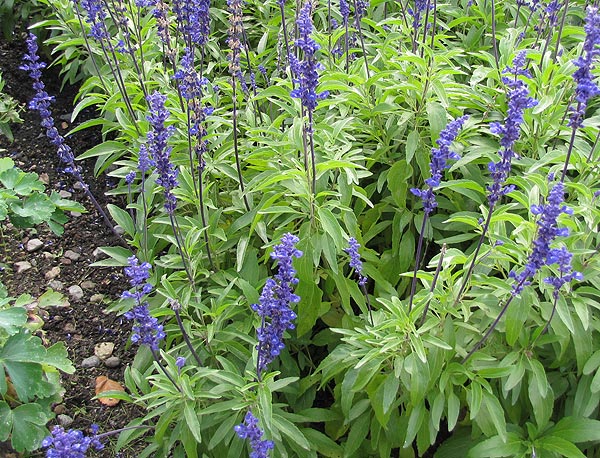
(103, 383)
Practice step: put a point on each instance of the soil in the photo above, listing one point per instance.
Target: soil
(84, 323)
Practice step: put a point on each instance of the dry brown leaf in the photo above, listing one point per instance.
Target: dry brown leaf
(103, 383)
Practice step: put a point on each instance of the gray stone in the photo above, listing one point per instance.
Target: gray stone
(96, 298)
(64, 420)
(78, 185)
(52, 273)
(98, 253)
(75, 214)
(72, 255)
(113, 361)
(65, 194)
(87, 284)
(75, 292)
(22, 266)
(34, 245)
(56, 285)
(92, 361)
(104, 350)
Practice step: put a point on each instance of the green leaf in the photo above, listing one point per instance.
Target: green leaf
(28, 426)
(436, 114)
(559, 445)
(498, 447)
(325, 446)
(12, 319)
(290, 430)
(122, 218)
(192, 420)
(577, 430)
(6, 163)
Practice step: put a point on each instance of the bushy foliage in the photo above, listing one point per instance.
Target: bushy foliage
(465, 321)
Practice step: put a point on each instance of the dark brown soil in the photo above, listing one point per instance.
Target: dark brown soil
(84, 323)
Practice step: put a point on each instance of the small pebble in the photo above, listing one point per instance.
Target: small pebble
(60, 409)
(113, 361)
(72, 255)
(56, 285)
(75, 292)
(47, 255)
(64, 420)
(44, 178)
(96, 298)
(65, 261)
(52, 273)
(92, 361)
(97, 253)
(75, 214)
(104, 350)
(22, 266)
(78, 186)
(64, 194)
(119, 230)
(88, 284)
(34, 245)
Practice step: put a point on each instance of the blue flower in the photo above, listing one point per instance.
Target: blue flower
(70, 444)
(510, 131)
(157, 147)
(547, 231)
(95, 16)
(42, 101)
(274, 304)
(305, 71)
(439, 162)
(146, 330)
(586, 87)
(251, 431)
(355, 261)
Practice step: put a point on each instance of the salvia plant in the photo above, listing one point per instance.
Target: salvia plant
(423, 177)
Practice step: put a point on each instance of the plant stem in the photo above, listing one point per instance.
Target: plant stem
(164, 370)
(433, 283)
(413, 285)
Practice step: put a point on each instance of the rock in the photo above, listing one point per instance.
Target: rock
(92, 361)
(34, 245)
(60, 409)
(22, 266)
(104, 350)
(88, 284)
(72, 255)
(56, 285)
(47, 255)
(119, 230)
(113, 361)
(75, 214)
(78, 185)
(64, 420)
(65, 261)
(97, 253)
(52, 273)
(96, 298)
(65, 194)
(44, 178)
(75, 292)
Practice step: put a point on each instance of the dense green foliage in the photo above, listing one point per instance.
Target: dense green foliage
(351, 383)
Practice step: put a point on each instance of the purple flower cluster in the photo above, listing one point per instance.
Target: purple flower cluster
(158, 149)
(417, 12)
(96, 17)
(518, 101)
(193, 20)
(251, 431)
(542, 254)
(344, 11)
(305, 71)
(42, 101)
(586, 87)
(439, 162)
(355, 261)
(274, 305)
(146, 330)
(191, 84)
(70, 444)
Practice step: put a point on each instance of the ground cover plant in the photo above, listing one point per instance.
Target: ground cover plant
(352, 229)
